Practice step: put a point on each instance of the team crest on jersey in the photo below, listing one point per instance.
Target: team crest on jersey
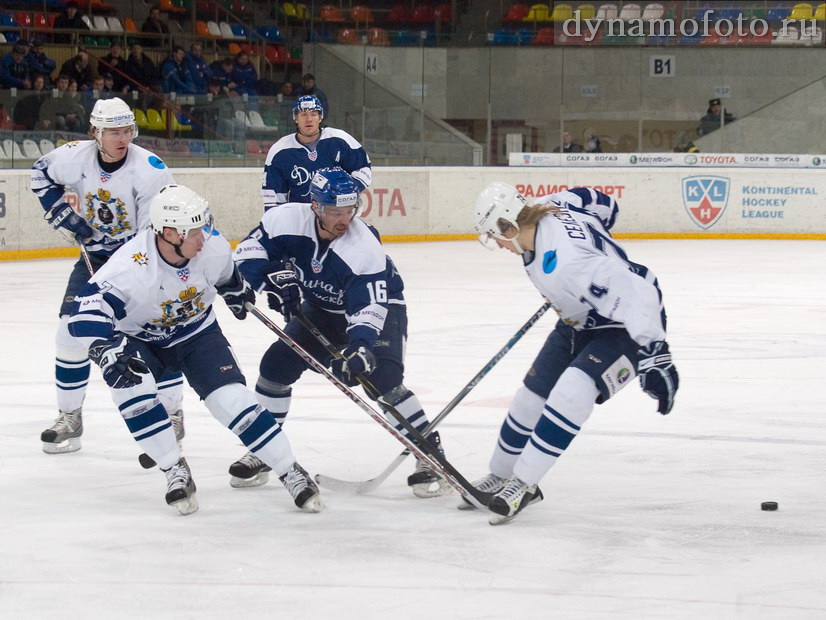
(315, 265)
(104, 176)
(140, 258)
(183, 274)
(705, 199)
(175, 311)
(313, 155)
(107, 213)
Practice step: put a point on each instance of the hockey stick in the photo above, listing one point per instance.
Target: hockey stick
(413, 441)
(367, 486)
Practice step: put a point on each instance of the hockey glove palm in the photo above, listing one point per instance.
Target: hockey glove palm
(63, 216)
(356, 360)
(120, 362)
(283, 289)
(236, 293)
(658, 375)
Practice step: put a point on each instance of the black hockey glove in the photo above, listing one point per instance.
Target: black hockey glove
(658, 375)
(357, 360)
(236, 293)
(63, 216)
(120, 362)
(283, 289)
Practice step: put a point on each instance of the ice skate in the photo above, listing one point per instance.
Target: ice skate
(302, 488)
(180, 488)
(424, 481)
(64, 435)
(514, 496)
(249, 471)
(488, 484)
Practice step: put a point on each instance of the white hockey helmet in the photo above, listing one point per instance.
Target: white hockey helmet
(181, 208)
(497, 207)
(112, 114)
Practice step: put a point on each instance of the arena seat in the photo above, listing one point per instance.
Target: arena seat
(516, 13)
(348, 36)
(31, 150)
(561, 13)
(607, 11)
(46, 146)
(361, 14)
(330, 13)
(538, 13)
(801, 11)
(378, 37)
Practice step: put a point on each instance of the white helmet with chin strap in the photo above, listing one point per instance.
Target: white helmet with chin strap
(496, 210)
(181, 208)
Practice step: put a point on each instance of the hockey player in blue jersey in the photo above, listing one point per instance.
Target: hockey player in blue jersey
(611, 328)
(292, 160)
(324, 254)
(149, 310)
(115, 181)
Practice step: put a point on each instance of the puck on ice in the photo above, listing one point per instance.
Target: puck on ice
(768, 506)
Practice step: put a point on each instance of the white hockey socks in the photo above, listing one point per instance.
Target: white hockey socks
(524, 412)
(566, 410)
(72, 368)
(235, 407)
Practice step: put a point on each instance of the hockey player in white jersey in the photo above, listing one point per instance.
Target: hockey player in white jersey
(115, 180)
(352, 294)
(148, 310)
(292, 160)
(611, 328)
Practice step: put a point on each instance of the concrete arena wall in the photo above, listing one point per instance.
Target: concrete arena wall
(417, 204)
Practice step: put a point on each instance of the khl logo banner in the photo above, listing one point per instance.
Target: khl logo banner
(705, 199)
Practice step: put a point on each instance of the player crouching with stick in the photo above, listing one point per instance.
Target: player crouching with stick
(148, 310)
(611, 327)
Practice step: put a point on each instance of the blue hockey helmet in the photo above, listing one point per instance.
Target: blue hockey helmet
(334, 187)
(307, 103)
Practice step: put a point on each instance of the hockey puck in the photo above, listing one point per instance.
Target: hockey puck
(768, 506)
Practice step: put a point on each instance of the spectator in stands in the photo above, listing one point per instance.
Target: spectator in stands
(218, 116)
(198, 67)
(77, 68)
(593, 145)
(308, 87)
(64, 112)
(714, 117)
(114, 64)
(222, 71)
(286, 90)
(175, 74)
(69, 19)
(684, 144)
(40, 63)
(244, 75)
(154, 25)
(140, 69)
(568, 144)
(15, 72)
(27, 110)
(93, 92)
(108, 86)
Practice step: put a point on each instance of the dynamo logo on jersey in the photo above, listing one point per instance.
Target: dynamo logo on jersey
(705, 199)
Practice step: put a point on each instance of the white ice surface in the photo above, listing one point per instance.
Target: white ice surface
(645, 516)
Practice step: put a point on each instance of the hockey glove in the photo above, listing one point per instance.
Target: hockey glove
(356, 360)
(120, 362)
(283, 289)
(63, 216)
(658, 375)
(236, 293)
